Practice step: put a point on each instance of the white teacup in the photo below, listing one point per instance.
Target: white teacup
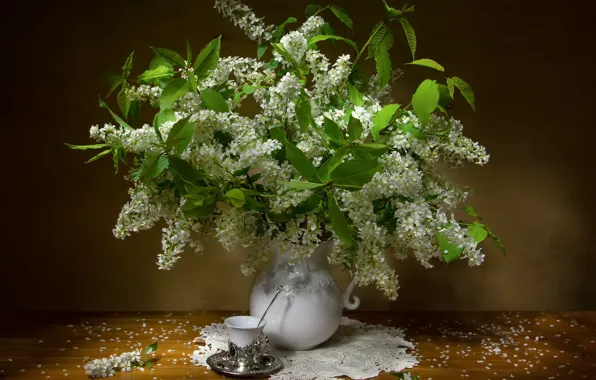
(243, 329)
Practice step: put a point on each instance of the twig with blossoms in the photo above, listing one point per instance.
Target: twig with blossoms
(125, 362)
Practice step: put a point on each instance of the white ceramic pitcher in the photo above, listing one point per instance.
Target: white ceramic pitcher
(309, 309)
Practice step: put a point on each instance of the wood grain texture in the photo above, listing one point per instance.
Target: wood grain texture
(450, 345)
(527, 61)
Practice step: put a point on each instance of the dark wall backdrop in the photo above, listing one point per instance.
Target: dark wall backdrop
(529, 62)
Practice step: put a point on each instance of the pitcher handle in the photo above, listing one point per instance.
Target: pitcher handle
(350, 305)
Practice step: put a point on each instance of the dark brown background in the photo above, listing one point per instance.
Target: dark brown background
(530, 65)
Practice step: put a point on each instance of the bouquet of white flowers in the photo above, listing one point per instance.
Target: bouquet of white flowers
(329, 155)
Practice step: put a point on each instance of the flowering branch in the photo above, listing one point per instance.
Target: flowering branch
(327, 154)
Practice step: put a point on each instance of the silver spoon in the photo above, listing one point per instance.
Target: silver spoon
(279, 289)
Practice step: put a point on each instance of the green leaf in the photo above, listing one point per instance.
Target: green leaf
(324, 37)
(236, 198)
(160, 118)
(207, 59)
(339, 222)
(279, 48)
(118, 119)
(303, 114)
(354, 129)
(378, 33)
(86, 147)
(185, 170)
(382, 119)
(451, 87)
(118, 154)
(444, 97)
(253, 205)
(303, 185)
(386, 43)
(391, 12)
(278, 218)
(151, 349)
(355, 173)
(262, 49)
(174, 90)
(248, 89)
(160, 61)
(100, 155)
(342, 15)
(465, 90)
(114, 81)
(301, 162)
(123, 101)
(427, 63)
(333, 131)
(410, 35)
(425, 100)
(450, 251)
(152, 75)
(241, 172)
(188, 52)
(200, 211)
(328, 29)
(134, 113)
(498, 243)
(328, 166)
(477, 232)
(171, 56)
(310, 204)
(127, 68)
(279, 31)
(311, 9)
(181, 133)
(374, 149)
(160, 166)
(214, 101)
(355, 95)
(363, 154)
(237, 98)
(151, 168)
(417, 133)
(383, 65)
(470, 211)
(278, 134)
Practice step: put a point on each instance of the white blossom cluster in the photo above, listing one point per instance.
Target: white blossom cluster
(237, 71)
(144, 93)
(295, 44)
(244, 18)
(175, 237)
(233, 150)
(313, 26)
(145, 208)
(106, 367)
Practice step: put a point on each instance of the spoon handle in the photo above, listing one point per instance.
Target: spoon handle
(279, 289)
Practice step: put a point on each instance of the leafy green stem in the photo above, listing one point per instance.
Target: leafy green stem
(321, 10)
(375, 30)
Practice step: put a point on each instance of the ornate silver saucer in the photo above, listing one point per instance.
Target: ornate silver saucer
(263, 366)
(247, 348)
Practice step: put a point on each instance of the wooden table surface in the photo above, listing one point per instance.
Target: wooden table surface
(449, 345)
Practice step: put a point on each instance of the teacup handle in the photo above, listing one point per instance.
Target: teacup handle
(350, 305)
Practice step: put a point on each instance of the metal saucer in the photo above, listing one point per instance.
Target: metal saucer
(263, 367)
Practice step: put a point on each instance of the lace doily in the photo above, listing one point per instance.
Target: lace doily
(357, 350)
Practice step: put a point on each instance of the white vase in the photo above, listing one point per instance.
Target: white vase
(309, 308)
